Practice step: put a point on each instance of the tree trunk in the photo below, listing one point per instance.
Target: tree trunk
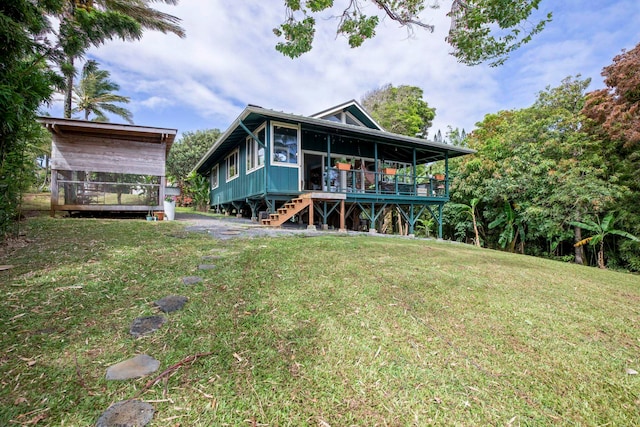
(68, 90)
(578, 250)
(475, 227)
(601, 255)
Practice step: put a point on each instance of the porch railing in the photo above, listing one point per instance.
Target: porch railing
(385, 183)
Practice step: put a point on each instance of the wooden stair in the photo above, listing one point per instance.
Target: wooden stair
(287, 211)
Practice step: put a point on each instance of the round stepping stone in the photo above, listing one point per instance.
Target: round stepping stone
(171, 303)
(191, 280)
(126, 413)
(136, 367)
(206, 266)
(146, 325)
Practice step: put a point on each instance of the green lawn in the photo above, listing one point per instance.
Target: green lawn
(329, 330)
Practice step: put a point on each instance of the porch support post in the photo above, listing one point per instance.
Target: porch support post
(446, 174)
(311, 225)
(440, 206)
(412, 218)
(377, 171)
(238, 208)
(54, 191)
(373, 219)
(343, 227)
(163, 185)
(253, 204)
(327, 177)
(415, 180)
(325, 226)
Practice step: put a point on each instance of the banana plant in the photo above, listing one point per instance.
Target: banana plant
(513, 227)
(471, 210)
(601, 229)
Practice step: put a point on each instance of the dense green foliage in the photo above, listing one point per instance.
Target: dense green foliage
(481, 30)
(94, 94)
(539, 173)
(400, 109)
(25, 82)
(187, 151)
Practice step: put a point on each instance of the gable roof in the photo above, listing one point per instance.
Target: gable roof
(356, 111)
(253, 116)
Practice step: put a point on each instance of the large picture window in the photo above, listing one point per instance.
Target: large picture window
(255, 152)
(285, 144)
(232, 165)
(214, 177)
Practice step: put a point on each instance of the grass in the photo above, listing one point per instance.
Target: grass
(316, 331)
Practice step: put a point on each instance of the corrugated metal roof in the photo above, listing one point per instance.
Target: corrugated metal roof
(252, 116)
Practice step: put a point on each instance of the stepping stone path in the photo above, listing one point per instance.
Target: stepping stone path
(191, 280)
(171, 303)
(146, 325)
(126, 413)
(135, 413)
(136, 367)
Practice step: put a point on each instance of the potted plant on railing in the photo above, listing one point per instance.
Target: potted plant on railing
(439, 177)
(387, 169)
(342, 164)
(170, 207)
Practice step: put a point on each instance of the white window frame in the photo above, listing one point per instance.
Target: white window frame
(252, 153)
(215, 172)
(298, 148)
(237, 165)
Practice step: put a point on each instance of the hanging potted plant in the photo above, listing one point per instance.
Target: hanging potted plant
(439, 177)
(342, 164)
(170, 207)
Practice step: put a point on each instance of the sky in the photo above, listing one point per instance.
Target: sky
(228, 60)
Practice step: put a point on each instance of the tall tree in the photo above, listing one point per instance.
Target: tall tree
(617, 108)
(86, 23)
(400, 109)
(542, 163)
(615, 118)
(94, 94)
(481, 30)
(187, 151)
(25, 82)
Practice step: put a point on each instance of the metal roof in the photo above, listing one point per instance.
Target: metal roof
(252, 116)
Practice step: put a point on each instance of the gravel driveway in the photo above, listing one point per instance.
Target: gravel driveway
(230, 227)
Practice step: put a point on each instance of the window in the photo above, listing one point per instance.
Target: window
(251, 154)
(214, 177)
(255, 152)
(232, 165)
(285, 144)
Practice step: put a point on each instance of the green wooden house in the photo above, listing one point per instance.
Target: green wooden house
(336, 168)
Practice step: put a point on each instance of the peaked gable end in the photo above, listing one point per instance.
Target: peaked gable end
(351, 113)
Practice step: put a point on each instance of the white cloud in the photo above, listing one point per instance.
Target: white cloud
(228, 60)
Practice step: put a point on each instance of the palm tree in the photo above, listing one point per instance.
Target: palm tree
(601, 230)
(86, 23)
(94, 95)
